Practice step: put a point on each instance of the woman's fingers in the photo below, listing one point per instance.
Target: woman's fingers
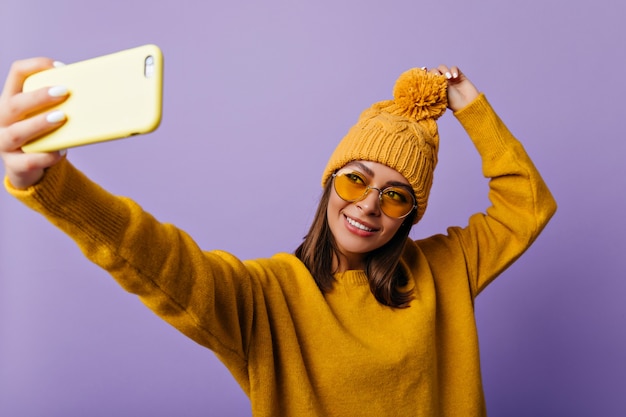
(14, 136)
(25, 116)
(28, 169)
(23, 105)
(20, 70)
(22, 115)
(451, 73)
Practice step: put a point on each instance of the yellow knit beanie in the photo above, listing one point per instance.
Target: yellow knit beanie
(400, 133)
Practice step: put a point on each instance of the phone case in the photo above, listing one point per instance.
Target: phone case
(111, 97)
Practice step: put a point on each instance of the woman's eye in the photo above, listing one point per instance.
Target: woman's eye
(355, 178)
(396, 196)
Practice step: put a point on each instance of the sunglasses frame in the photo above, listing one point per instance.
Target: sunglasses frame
(368, 187)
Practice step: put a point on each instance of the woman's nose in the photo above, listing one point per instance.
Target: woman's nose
(370, 205)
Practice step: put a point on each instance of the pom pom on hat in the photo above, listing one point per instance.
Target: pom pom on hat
(400, 133)
(420, 95)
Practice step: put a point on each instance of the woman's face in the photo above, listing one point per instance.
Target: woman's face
(360, 227)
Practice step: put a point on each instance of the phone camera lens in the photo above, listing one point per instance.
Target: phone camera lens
(149, 66)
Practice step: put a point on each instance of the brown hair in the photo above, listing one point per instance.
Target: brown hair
(386, 275)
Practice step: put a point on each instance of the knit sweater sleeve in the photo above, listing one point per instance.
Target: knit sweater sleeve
(206, 295)
(521, 203)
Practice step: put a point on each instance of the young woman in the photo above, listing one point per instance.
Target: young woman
(360, 320)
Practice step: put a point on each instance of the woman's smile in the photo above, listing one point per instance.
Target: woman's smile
(360, 228)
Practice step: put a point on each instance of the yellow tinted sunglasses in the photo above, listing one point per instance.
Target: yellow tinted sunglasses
(352, 186)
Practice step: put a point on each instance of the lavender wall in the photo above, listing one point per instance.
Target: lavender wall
(257, 94)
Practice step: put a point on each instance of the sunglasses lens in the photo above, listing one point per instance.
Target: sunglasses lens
(350, 186)
(396, 202)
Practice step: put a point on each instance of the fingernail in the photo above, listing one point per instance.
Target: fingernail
(57, 91)
(455, 74)
(55, 116)
(58, 64)
(63, 152)
(448, 75)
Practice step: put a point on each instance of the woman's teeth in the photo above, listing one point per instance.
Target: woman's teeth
(358, 225)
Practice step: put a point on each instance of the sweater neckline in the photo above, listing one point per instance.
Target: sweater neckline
(352, 277)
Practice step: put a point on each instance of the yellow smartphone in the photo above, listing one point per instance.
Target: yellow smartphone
(110, 97)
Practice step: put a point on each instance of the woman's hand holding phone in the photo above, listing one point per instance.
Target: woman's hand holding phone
(104, 98)
(23, 118)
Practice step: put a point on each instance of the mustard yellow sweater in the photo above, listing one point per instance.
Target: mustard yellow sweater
(294, 351)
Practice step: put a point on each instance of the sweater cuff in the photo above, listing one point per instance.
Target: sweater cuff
(72, 202)
(484, 127)
(53, 177)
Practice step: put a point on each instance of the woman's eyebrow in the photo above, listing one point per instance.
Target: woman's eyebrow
(363, 167)
(369, 172)
(400, 184)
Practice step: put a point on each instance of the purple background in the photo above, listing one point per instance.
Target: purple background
(257, 94)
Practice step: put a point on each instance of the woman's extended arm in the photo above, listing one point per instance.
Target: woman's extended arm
(199, 293)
